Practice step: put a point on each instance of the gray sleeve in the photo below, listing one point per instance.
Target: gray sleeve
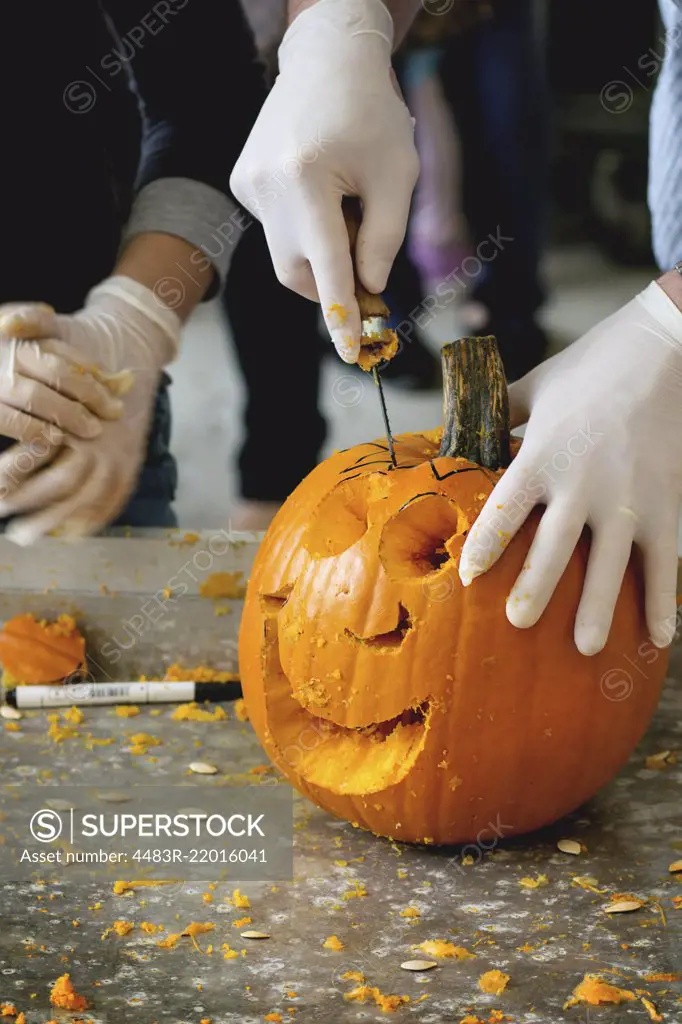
(193, 211)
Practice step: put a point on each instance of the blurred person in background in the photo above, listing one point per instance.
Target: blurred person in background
(110, 201)
(474, 77)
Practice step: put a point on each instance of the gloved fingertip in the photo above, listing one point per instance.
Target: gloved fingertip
(346, 345)
(663, 634)
(27, 322)
(520, 612)
(91, 427)
(470, 568)
(21, 534)
(590, 641)
(374, 275)
(467, 576)
(113, 409)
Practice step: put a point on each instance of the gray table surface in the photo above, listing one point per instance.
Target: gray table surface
(632, 831)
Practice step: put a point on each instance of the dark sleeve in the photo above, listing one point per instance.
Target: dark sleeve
(194, 69)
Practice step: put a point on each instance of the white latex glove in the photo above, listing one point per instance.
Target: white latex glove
(332, 125)
(31, 411)
(603, 447)
(126, 337)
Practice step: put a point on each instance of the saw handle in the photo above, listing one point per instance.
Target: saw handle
(370, 305)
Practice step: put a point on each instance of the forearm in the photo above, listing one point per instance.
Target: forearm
(403, 13)
(176, 272)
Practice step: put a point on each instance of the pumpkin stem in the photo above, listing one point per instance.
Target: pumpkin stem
(475, 403)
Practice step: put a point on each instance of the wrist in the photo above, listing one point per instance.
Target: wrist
(671, 283)
(155, 325)
(326, 25)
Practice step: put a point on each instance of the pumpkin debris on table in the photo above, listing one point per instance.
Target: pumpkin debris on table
(140, 742)
(371, 993)
(652, 1009)
(445, 950)
(73, 715)
(356, 891)
(410, 912)
(58, 732)
(534, 883)
(223, 585)
(659, 762)
(121, 888)
(119, 927)
(65, 997)
(595, 991)
(493, 982)
(358, 573)
(194, 712)
(177, 673)
(35, 651)
(239, 900)
(588, 883)
(240, 710)
(126, 710)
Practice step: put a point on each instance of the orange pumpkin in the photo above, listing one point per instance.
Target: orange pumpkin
(34, 651)
(396, 698)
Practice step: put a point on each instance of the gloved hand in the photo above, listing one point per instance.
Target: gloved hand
(31, 411)
(333, 125)
(603, 447)
(124, 336)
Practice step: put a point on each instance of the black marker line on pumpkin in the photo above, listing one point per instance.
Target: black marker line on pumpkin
(376, 462)
(453, 472)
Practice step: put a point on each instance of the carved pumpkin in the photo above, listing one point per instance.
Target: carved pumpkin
(395, 697)
(40, 652)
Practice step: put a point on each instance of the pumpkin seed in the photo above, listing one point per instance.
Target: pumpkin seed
(58, 805)
(254, 935)
(570, 846)
(623, 906)
(675, 866)
(12, 714)
(418, 965)
(202, 768)
(114, 796)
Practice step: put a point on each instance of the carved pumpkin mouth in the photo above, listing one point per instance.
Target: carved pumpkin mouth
(351, 761)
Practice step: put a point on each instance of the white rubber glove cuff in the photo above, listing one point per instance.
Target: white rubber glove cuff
(330, 23)
(662, 308)
(143, 299)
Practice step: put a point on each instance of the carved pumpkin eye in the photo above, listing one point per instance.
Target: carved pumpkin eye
(342, 517)
(346, 508)
(422, 537)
